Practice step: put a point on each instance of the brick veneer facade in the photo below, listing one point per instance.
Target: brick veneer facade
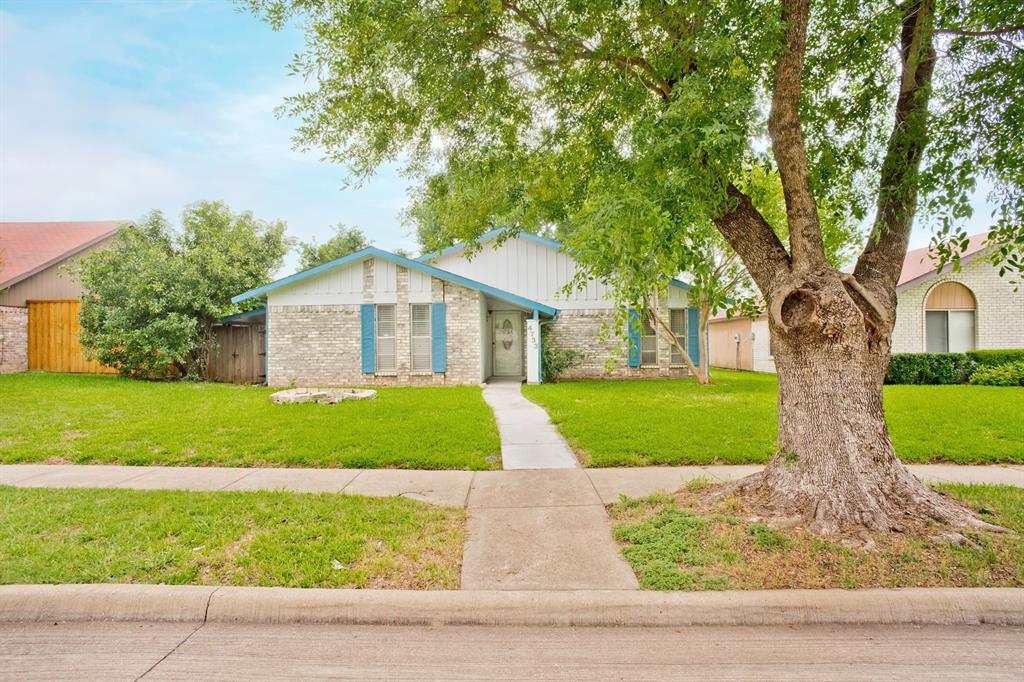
(13, 339)
(319, 345)
(582, 330)
(999, 320)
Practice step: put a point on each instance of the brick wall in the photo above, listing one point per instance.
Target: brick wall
(320, 345)
(999, 320)
(581, 330)
(14, 341)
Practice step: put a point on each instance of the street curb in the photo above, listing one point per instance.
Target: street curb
(258, 605)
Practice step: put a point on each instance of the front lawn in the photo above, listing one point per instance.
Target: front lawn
(681, 542)
(91, 418)
(227, 538)
(673, 422)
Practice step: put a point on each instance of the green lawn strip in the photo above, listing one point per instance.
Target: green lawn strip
(104, 419)
(676, 422)
(678, 543)
(87, 535)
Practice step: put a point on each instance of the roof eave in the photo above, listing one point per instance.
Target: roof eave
(64, 256)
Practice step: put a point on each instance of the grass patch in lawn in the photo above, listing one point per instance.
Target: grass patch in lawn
(674, 422)
(104, 419)
(87, 535)
(679, 542)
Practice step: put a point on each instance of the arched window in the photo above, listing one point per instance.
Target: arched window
(949, 319)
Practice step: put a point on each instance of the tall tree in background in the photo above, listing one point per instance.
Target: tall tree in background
(346, 240)
(895, 106)
(150, 301)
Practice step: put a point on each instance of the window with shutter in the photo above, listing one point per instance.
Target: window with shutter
(648, 344)
(386, 338)
(678, 325)
(420, 346)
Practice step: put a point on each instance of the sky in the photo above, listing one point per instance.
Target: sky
(109, 109)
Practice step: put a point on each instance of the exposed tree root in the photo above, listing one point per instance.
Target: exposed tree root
(852, 510)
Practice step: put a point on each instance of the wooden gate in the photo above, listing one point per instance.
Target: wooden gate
(240, 356)
(53, 339)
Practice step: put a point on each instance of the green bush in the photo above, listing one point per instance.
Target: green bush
(1007, 374)
(556, 361)
(929, 368)
(994, 358)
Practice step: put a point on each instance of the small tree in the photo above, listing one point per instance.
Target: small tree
(150, 301)
(346, 240)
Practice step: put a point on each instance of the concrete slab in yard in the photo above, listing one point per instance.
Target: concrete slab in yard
(538, 456)
(437, 487)
(549, 548)
(186, 478)
(641, 481)
(531, 488)
(731, 472)
(296, 480)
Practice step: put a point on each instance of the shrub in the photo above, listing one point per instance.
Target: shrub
(1007, 374)
(555, 362)
(993, 358)
(929, 368)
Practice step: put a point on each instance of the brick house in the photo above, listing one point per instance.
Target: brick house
(936, 312)
(374, 317)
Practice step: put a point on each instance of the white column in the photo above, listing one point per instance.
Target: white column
(532, 350)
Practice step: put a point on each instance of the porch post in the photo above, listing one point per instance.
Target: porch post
(533, 349)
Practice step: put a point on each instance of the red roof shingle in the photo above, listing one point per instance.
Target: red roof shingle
(27, 248)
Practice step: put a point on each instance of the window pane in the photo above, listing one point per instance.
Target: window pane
(421, 354)
(648, 344)
(386, 338)
(421, 319)
(678, 324)
(961, 331)
(937, 340)
(385, 320)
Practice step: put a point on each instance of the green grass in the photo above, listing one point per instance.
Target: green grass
(227, 538)
(636, 423)
(682, 543)
(91, 419)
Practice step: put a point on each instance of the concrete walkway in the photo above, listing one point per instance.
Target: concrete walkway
(528, 438)
(436, 487)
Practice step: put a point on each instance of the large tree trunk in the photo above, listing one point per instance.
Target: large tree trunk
(835, 471)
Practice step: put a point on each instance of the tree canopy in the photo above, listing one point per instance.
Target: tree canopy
(346, 240)
(149, 301)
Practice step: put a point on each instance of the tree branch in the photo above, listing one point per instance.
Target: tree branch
(754, 241)
(805, 241)
(878, 268)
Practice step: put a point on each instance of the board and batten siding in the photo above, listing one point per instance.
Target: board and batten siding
(534, 271)
(344, 286)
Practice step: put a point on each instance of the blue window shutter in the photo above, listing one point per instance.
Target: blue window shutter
(633, 319)
(693, 334)
(438, 338)
(369, 338)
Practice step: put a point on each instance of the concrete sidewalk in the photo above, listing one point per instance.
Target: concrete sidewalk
(436, 487)
(528, 438)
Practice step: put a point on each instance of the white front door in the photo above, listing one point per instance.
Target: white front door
(508, 344)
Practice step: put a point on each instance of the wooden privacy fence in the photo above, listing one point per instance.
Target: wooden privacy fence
(240, 355)
(53, 339)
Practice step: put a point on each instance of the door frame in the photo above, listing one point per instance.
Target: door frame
(494, 342)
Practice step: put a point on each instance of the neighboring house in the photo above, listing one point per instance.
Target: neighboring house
(936, 312)
(374, 317)
(39, 300)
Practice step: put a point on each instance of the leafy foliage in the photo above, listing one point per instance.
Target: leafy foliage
(346, 240)
(150, 301)
(929, 368)
(1007, 374)
(989, 358)
(554, 361)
